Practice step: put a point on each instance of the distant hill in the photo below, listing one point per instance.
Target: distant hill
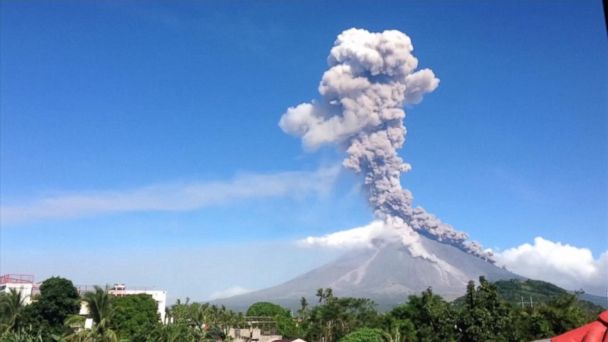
(516, 290)
(597, 300)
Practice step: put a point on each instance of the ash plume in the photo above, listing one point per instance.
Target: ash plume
(371, 77)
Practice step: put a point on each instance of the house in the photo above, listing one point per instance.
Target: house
(23, 283)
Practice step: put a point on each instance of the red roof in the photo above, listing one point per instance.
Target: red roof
(593, 332)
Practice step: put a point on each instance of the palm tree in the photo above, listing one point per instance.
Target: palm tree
(11, 305)
(99, 304)
(320, 294)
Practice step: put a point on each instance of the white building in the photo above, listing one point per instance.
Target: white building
(251, 335)
(24, 283)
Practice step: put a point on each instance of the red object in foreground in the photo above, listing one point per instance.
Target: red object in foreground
(593, 332)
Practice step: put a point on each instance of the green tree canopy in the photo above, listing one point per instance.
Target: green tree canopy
(364, 335)
(336, 317)
(134, 316)
(485, 316)
(58, 300)
(429, 313)
(267, 309)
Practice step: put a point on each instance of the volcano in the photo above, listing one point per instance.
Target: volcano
(387, 273)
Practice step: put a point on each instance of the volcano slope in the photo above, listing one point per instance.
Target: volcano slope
(386, 273)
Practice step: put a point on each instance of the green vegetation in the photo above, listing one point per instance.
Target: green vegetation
(267, 309)
(529, 293)
(365, 335)
(12, 305)
(335, 317)
(135, 316)
(199, 322)
(487, 312)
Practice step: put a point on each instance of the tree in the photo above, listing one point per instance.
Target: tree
(134, 316)
(485, 316)
(174, 333)
(205, 321)
(99, 305)
(564, 313)
(325, 294)
(398, 330)
(530, 324)
(58, 300)
(11, 308)
(430, 314)
(337, 317)
(364, 335)
(267, 309)
(287, 326)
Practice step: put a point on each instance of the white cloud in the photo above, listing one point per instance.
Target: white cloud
(364, 237)
(172, 197)
(564, 265)
(229, 292)
(350, 238)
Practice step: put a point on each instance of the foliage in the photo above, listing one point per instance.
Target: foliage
(484, 316)
(398, 330)
(175, 333)
(11, 309)
(563, 314)
(134, 316)
(22, 335)
(99, 305)
(58, 300)
(364, 335)
(432, 317)
(336, 317)
(287, 327)
(267, 309)
(205, 320)
(532, 292)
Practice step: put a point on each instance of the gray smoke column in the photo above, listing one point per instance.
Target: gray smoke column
(371, 77)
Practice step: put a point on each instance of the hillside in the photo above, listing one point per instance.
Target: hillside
(515, 291)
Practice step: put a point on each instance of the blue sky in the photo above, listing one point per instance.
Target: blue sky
(112, 97)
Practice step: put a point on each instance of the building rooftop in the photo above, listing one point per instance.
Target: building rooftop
(17, 279)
